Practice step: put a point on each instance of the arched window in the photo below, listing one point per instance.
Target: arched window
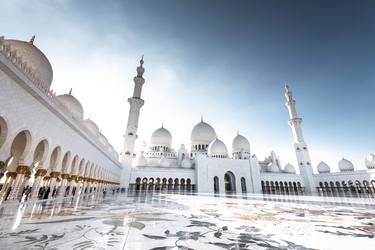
(216, 184)
(229, 182)
(243, 185)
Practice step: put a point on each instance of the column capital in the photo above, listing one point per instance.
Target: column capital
(54, 174)
(22, 169)
(65, 176)
(41, 172)
(12, 175)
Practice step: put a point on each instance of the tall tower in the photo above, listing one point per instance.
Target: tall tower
(130, 135)
(300, 146)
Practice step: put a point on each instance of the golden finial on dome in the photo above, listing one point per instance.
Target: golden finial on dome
(141, 61)
(32, 40)
(70, 91)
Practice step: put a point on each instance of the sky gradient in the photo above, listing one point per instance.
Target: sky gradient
(227, 61)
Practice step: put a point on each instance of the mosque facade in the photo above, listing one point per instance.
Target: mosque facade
(44, 139)
(46, 142)
(207, 166)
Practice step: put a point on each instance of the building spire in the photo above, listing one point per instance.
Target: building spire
(141, 61)
(201, 118)
(162, 124)
(31, 41)
(70, 91)
(140, 69)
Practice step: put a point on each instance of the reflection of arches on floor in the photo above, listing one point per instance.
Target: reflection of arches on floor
(216, 184)
(229, 182)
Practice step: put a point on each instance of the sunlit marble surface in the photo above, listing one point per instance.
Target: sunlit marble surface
(173, 221)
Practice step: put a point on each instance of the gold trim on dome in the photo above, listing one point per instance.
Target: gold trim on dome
(31, 41)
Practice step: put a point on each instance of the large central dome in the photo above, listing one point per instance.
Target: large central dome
(161, 137)
(34, 59)
(202, 133)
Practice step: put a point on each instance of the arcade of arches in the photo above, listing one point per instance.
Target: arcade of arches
(46, 171)
(162, 184)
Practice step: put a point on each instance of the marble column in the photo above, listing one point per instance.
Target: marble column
(37, 180)
(83, 187)
(2, 169)
(62, 188)
(10, 177)
(17, 184)
(23, 184)
(52, 184)
(73, 184)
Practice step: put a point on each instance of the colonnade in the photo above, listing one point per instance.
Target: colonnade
(30, 167)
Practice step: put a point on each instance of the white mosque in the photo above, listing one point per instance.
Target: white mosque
(45, 141)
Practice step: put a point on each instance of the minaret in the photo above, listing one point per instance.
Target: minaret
(130, 135)
(300, 146)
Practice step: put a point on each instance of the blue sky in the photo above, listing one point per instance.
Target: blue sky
(223, 59)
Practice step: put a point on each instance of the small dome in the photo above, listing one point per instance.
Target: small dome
(91, 126)
(161, 137)
(164, 162)
(72, 105)
(186, 163)
(140, 161)
(103, 140)
(323, 168)
(345, 165)
(370, 161)
(240, 144)
(273, 168)
(34, 58)
(217, 148)
(289, 168)
(202, 133)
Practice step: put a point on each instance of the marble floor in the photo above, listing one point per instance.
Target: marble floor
(174, 221)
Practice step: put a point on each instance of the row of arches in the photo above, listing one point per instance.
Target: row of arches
(162, 184)
(282, 187)
(43, 164)
(229, 183)
(347, 187)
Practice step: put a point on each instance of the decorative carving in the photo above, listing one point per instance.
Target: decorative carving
(22, 169)
(54, 174)
(41, 172)
(65, 176)
(12, 175)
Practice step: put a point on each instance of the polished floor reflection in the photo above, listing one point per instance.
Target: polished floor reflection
(173, 221)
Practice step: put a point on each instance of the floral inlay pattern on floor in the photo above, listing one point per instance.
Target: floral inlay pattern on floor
(170, 221)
